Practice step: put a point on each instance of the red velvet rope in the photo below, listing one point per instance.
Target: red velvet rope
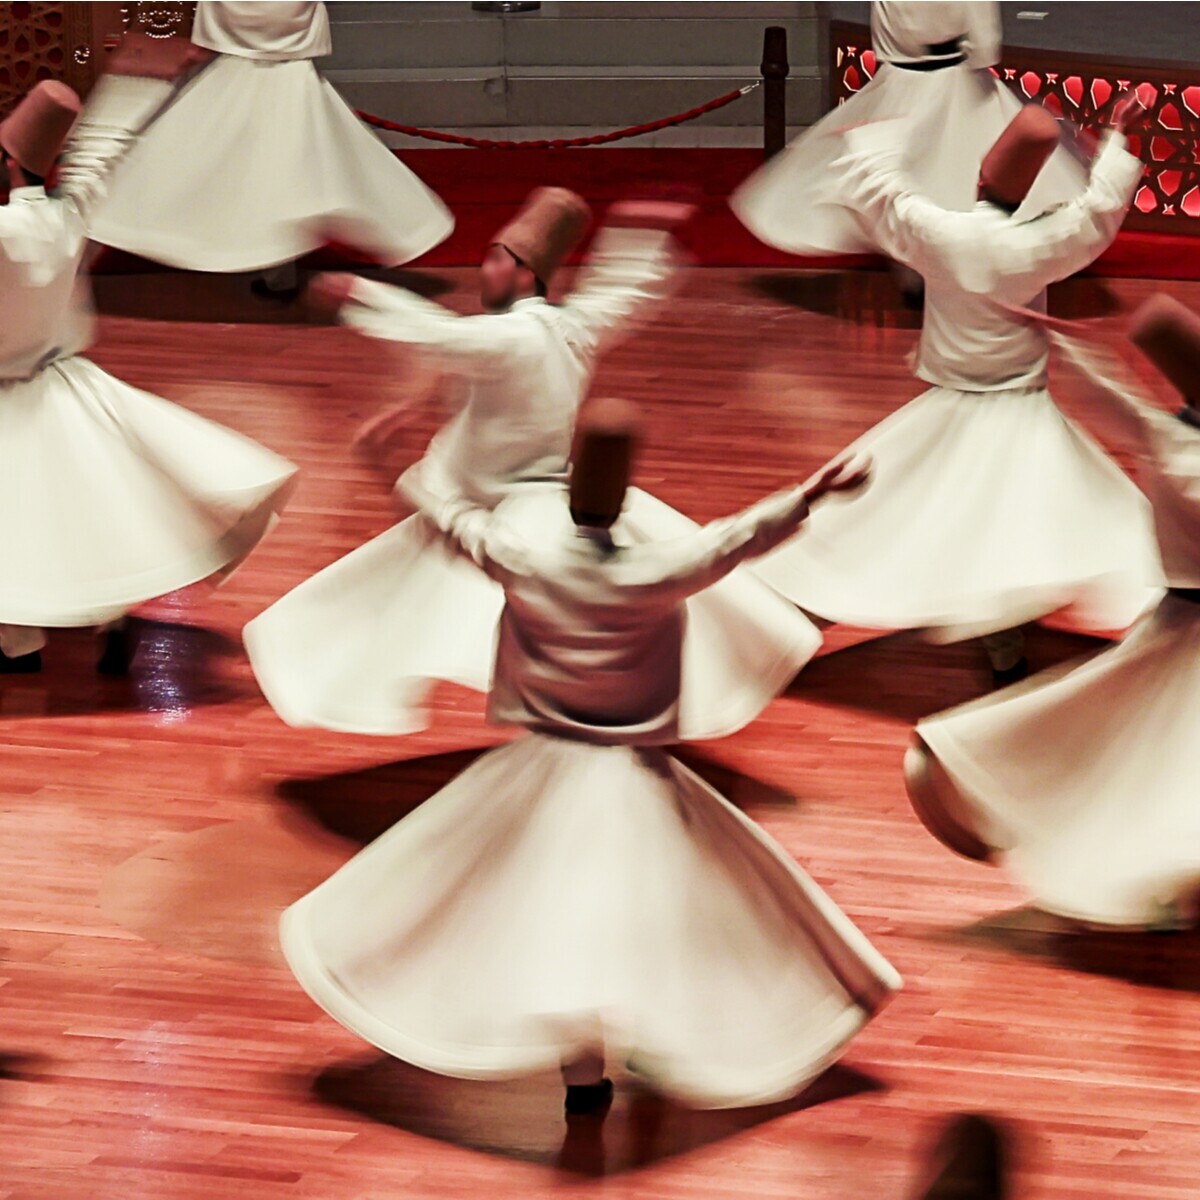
(598, 139)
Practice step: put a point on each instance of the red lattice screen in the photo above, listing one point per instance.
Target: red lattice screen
(1084, 92)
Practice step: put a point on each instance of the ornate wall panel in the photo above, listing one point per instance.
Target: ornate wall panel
(68, 41)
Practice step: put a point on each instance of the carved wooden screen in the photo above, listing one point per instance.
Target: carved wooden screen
(68, 41)
(42, 41)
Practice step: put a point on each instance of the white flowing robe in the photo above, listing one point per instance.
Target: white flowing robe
(953, 115)
(578, 891)
(259, 161)
(359, 645)
(110, 496)
(1083, 779)
(988, 508)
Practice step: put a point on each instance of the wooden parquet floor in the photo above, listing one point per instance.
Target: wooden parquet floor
(153, 1045)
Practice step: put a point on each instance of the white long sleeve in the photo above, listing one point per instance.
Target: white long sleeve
(628, 271)
(473, 347)
(42, 231)
(118, 109)
(1021, 255)
(1034, 254)
(674, 569)
(44, 315)
(688, 565)
(482, 535)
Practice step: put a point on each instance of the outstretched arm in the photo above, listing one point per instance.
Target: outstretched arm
(870, 180)
(1034, 254)
(139, 82)
(692, 563)
(1021, 258)
(478, 531)
(631, 267)
(465, 346)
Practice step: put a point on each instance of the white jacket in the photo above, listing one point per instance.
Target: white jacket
(45, 308)
(524, 371)
(591, 636)
(977, 263)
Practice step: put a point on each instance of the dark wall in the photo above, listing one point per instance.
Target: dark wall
(1129, 29)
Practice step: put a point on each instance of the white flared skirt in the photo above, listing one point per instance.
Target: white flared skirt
(258, 163)
(112, 496)
(559, 899)
(955, 115)
(986, 510)
(358, 647)
(1084, 780)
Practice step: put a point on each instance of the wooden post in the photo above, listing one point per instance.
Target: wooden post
(774, 73)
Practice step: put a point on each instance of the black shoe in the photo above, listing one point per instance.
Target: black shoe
(1003, 676)
(264, 291)
(21, 664)
(589, 1099)
(117, 655)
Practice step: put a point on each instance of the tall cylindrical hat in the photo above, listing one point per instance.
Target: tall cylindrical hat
(607, 436)
(1018, 154)
(35, 130)
(1168, 334)
(549, 226)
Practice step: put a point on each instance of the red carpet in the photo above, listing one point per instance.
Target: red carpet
(483, 187)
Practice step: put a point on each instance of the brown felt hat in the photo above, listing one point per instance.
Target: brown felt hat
(606, 440)
(548, 227)
(1168, 334)
(1018, 154)
(35, 130)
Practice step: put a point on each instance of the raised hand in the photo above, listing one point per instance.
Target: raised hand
(846, 474)
(1128, 112)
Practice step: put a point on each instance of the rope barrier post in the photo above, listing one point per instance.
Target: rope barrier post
(774, 72)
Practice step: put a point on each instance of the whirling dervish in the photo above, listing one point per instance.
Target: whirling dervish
(990, 509)
(1082, 781)
(578, 898)
(359, 646)
(933, 73)
(260, 161)
(110, 496)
